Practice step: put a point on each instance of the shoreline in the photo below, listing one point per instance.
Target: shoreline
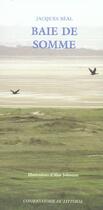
(51, 107)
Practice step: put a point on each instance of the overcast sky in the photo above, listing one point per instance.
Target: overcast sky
(22, 12)
(19, 13)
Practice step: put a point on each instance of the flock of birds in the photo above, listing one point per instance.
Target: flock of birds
(92, 71)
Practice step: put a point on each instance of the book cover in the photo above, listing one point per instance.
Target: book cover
(51, 105)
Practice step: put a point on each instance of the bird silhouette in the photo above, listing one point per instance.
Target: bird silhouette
(15, 91)
(93, 72)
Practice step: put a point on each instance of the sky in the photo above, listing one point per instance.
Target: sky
(20, 14)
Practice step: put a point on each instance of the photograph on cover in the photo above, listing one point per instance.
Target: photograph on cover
(51, 105)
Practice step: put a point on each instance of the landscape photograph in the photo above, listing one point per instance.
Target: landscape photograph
(51, 108)
(51, 122)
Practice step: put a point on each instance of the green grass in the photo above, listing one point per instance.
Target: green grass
(43, 140)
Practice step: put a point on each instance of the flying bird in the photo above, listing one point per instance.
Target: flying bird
(93, 72)
(15, 91)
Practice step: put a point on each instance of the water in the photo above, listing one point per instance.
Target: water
(51, 82)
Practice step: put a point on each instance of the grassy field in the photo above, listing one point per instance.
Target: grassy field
(43, 140)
